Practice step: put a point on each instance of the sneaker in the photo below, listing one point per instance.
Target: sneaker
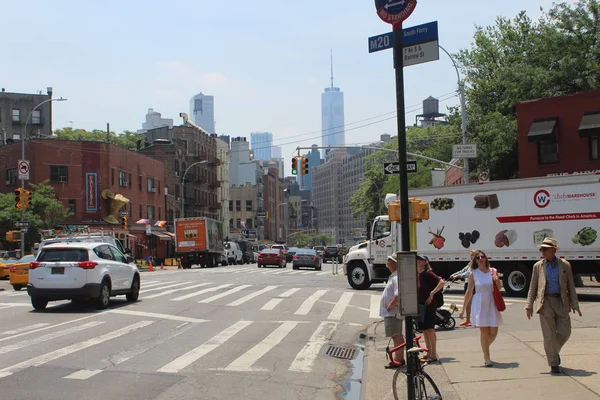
(555, 369)
(464, 323)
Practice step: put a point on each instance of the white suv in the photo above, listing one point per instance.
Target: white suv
(79, 271)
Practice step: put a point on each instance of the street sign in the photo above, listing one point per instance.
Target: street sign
(250, 233)
(261, 214)
(23, 169)
(22, 224)
(421, 53)
(394, 167)
(410, 36)
(464, 151)
(483, 176)
(394, 11)
(123, 213)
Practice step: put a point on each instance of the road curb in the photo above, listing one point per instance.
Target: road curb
(370, 346)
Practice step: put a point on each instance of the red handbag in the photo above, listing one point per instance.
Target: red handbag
(500, 305)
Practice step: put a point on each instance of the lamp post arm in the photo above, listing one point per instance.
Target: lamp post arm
(183, 184)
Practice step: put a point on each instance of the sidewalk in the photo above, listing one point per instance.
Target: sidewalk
(520, 371)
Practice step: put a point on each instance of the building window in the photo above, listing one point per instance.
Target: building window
(158, 213)
(129, 179)
(16, 115)
(140, 211)
(58, 173)
(230, 205)
(150, 185)
(150, 211)
(548, 151)
(112, 176)
(248, 223)
(11, 176)
(140, 183)
(238, 223)
(36, 117)
(176, 166)
(238, 206)
(71, 205)
(177, 192)
(123, 179)
(594, 147)
(248, 205)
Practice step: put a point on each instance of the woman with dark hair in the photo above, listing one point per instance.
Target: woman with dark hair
(428, 284)
(484, 313)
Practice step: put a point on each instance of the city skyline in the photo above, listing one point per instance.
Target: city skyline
(332, 115)
(202, 111)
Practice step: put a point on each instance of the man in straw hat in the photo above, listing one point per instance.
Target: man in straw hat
(389, 311)
(553, 290)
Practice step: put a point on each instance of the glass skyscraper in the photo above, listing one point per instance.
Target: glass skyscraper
(202, 111)
(261, 143)
(332, 115)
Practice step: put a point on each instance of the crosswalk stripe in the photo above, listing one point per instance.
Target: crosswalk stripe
(271, 304)
(340, 307)
(305, 359)
(310, 302)
(49, 336)
(295, 272)
(250, 296)
(157, 315)
(323, 273)
(200, 292)
(83, 374)
(23, 329)
(374, 308)
(247, 360)
(224, 294)
(47, 327)
(149, 285)
(288, 293)
(164, 287)
(280, 272)
(308, 273)
(195, 354)
(166, 292)
(45, 358)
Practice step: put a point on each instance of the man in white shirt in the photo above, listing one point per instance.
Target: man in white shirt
(389, 311)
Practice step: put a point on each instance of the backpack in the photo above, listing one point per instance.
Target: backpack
(438, 299)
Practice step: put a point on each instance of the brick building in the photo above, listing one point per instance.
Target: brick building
(559, 135)
(274, 204)
(16, 111)
(88, 176)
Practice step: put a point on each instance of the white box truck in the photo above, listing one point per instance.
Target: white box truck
(505, 219)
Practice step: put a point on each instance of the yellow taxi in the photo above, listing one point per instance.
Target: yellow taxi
(5, 267)
(19, 272)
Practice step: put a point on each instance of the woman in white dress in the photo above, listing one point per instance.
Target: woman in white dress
(484, 313)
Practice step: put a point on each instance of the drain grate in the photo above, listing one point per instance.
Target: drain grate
(346, 353)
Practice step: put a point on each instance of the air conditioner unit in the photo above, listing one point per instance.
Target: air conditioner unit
(125, 183)
(153, 190)
(62, 178)
(8, 182)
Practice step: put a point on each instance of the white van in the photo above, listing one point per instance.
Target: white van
(233, 252)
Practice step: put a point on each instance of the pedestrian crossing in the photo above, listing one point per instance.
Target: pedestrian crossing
(272, 270)
(103, 344)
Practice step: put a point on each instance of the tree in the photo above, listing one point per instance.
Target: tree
(126, 140)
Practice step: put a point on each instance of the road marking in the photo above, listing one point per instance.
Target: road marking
(271, 304)
(49, 327)
(340, 307)
(23, 329)
(322, 273)
(295, 272)
(164, 287)
(166, 292)
(50, 336)
(280, 272)
(205, 348)
(246, 360)
(288, 293)
(83, 374)
(45, 358)
(305, 359)
(251, 296)
(200, 292)
(224, 294)
(375, 305)
(17, 294)
(156, 284)
(6, 306)
(307, 273)
(157, 315)
(16, 304)
(310, 302)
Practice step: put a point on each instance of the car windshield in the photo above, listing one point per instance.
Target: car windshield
(270, 251)
(60, 254)
(26, 259)
(332, 249)
(309, 252)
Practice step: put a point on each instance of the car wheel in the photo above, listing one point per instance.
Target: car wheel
(318, 268)
(104, 298)
(17, 287)
(134, 294)
(258, 265)
(294, 267)
(38, 304)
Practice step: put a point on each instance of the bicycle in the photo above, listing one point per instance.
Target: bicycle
(425, 387)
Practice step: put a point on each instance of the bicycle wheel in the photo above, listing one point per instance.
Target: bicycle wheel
(426, 388)
(399, 385)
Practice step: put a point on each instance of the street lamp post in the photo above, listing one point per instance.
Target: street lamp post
(23, 158)
(183, 184)
(277, 206)
(463, 113)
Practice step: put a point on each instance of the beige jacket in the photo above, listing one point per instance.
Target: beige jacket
(538, 286)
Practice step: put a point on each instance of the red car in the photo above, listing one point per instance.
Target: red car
(271, 257)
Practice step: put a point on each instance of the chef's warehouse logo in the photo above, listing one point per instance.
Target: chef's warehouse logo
(542, 198)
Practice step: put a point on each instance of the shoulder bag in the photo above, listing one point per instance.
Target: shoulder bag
(500, 305)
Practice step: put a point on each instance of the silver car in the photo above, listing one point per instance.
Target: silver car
(306, 258)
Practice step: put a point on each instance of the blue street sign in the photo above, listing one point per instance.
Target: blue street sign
(410, 36)
(395, 11)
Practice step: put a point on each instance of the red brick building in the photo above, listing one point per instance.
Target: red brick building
(88, 176)
(274, 204)
(559, 135)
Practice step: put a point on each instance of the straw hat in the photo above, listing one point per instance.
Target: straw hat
(549, 243)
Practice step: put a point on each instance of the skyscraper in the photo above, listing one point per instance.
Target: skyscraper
(261, 143)
(202, 111)
(332, 115)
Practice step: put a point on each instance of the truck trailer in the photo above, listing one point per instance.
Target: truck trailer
(199, 241)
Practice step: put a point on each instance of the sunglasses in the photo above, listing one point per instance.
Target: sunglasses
(481, 257)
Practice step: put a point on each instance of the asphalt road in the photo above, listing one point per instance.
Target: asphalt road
(220, 333)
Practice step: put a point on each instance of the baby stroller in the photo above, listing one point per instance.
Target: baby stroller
(443, 318)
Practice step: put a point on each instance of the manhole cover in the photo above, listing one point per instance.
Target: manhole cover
(347, 353)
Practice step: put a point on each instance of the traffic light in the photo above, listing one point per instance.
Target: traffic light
(124, 223)
(294, 166)
(304, 167)
(418, 210)
(19, 198)
(394, 211)
(27, 198)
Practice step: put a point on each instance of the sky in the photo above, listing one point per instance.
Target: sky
(266, 62)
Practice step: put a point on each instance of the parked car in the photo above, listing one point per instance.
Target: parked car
(282, 247)
(247, 253)
(320, 250)
(289, 256)
(19, 272)
(271, 257)
(234, 253)
(5, 267)
(333, 253)
(80, 271)
(306, 258)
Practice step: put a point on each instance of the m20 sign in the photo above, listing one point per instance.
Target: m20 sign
(395, 11)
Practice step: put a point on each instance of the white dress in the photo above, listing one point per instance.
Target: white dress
(483, 308)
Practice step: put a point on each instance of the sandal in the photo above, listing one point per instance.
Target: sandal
(395, 365)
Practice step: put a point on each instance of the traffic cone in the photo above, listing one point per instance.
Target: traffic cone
(151, 268)
(162, 266)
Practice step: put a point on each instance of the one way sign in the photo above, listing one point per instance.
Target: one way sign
(394, 167)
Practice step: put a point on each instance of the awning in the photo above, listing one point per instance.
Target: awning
(590, 124)
(161, 235)
(542, 129)
(170, 234)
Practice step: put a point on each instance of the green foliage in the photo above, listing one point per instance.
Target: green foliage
(302, 239)
(126, 140)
